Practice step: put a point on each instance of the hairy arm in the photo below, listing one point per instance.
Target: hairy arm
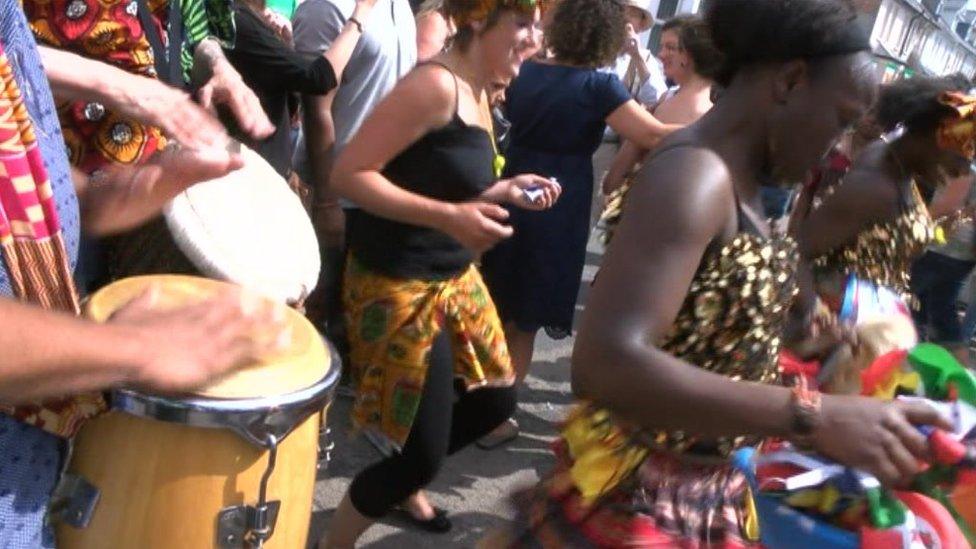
(73, 77)
(220, 83)
(208, 57)
(83, 357)
(169, 350)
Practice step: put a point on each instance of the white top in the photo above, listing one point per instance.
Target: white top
(649, 91)
(386, 52)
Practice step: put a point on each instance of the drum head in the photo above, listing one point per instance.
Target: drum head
(304, 362)
(249, 228)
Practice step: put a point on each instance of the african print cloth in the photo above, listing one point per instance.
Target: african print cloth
(958, 133)
(883, 253)
(619, 485)
(668, 503)
(392, 324)
(31, 243)
(111, 31)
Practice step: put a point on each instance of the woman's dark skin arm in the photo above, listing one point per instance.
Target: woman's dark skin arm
(623, 163)
(643, 282)
(866, 196)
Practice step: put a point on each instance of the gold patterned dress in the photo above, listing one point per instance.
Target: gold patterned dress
(883, 253)
(616, 485)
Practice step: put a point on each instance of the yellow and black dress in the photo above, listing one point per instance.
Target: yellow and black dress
(883, 253)
(616, 485)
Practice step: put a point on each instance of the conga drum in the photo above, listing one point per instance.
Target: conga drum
(232, 465)
(247, 227)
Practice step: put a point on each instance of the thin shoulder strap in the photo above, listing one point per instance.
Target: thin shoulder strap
(457, 89)
(167, 61)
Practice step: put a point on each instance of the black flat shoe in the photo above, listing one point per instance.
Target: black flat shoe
(502, 435)
(438, 524)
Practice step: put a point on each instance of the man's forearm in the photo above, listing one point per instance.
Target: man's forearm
(319, 139)
(49, 354)
(208, 56)
(73, 77)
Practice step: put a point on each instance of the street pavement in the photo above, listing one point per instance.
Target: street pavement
(474, 484)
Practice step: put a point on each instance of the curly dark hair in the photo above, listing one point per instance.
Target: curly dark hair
(696, 39)
(587, 33)
(915, 102)
(753, 32)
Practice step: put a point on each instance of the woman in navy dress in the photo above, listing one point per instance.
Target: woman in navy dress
(559, 109)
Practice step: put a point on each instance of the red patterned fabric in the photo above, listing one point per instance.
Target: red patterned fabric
(32, 246)
(666, 502)
(109, 31)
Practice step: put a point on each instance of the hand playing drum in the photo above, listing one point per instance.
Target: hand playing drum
(244, 226)
(217, 425)
(189, 346)
(122, 197)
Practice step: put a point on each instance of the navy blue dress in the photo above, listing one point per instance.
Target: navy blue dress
(558, 118)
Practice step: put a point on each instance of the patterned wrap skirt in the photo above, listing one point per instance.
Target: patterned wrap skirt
(620, 496)
(392, 324)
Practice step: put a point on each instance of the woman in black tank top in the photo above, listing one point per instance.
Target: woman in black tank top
(428, 352)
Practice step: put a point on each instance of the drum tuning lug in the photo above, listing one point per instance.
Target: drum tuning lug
(73, 501)
(240, 526)
(326, 445)
(251, 524)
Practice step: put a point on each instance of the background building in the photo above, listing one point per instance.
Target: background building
(919, 36)
(666, 9)
(932, 37)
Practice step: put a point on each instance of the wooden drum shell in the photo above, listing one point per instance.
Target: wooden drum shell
(162, 484)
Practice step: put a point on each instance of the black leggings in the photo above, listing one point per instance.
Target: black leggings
(448, 419)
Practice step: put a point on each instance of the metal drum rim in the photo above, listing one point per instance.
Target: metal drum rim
(157, 407)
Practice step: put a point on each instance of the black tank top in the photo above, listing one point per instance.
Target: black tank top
(453, 163)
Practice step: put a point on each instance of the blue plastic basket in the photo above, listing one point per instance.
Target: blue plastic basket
(782, 527)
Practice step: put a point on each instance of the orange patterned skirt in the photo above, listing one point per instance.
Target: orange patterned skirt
(609, 491)
(391, 326)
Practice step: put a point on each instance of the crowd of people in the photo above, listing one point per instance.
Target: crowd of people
(454, 157)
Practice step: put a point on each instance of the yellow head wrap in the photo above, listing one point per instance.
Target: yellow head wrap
(479, 10)
(957, 133)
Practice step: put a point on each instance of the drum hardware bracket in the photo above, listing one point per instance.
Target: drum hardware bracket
(326, 445)
(74, 501)
(251, 525)
(233, 525)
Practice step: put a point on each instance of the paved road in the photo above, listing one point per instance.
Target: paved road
(474, 484)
